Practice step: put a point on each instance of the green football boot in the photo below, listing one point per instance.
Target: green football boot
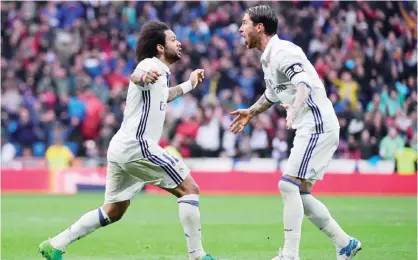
(51, 253)
(208, 257)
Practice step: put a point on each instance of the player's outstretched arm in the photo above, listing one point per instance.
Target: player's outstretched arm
(244, 116)
(301, 97)
(174, 93)
(260, 106)
(195, 78)
(140, 77)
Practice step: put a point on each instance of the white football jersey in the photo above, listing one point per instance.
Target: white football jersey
(285, 65)
(143, 118)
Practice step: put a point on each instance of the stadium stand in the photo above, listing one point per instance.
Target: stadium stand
(65, 69)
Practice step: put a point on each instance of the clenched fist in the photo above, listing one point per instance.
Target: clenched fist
(151, 76)
(196, 77)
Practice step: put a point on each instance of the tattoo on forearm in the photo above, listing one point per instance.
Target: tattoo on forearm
(174, 93)
(260, 106)
(302, 94)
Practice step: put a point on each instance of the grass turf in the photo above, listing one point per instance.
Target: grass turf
(234, 227)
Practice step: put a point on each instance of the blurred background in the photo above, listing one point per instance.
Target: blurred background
(65, 68)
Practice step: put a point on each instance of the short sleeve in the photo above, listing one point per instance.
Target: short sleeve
(271, 96)
(293, 66)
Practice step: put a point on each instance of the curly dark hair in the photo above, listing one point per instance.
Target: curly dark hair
(151, 34)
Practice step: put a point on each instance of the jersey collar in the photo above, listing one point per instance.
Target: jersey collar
(265, 57)
(159, 62)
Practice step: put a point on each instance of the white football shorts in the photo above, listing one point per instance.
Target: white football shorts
(311, 154)
(160, 168)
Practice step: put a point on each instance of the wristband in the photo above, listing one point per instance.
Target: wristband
(186, 86)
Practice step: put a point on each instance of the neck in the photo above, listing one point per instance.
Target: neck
(264, 41)
(164, 60)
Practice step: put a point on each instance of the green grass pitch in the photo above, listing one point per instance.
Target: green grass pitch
(234, 227)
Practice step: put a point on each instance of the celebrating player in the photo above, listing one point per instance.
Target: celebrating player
(292, 80)
(134, 156)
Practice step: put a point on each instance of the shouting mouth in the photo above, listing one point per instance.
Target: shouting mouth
(245, 39)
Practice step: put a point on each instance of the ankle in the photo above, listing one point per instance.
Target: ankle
(197, 255)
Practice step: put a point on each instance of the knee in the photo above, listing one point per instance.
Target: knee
(192, 188)
(288, 185)
(115, 211)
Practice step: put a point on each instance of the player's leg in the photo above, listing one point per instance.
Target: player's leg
(314, 210)
(187, 193)
(176, 179)
(292, 215)
(107, 214)
(289, 185)
(120, 189)
(320, 216)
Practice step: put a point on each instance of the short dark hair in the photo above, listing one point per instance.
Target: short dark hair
(151, 34)
(264, 14)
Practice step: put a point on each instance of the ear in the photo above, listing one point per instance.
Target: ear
(260, 27)
(160, 49)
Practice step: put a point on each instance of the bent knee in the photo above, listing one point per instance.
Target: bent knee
(289, 184)
(192, 188)
(115, 211)
(189, 186)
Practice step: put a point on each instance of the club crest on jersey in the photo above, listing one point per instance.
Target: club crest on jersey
(294, 69)
(280, 88)
(162, 105)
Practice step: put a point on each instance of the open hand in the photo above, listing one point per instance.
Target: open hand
(289, 115)
(244, 117)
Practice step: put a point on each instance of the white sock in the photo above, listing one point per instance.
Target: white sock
(292, 216)
(85, 225)
(320, 217)
(190, 219)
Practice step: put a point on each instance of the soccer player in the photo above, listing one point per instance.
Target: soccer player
(134, 156)
(292, 80)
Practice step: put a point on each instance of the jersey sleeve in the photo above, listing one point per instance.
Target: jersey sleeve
(270, 95)
(292, 65)
(145, 66)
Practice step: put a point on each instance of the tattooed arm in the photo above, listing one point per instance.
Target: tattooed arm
(195, 78)
(261, 105)
(174, 93)
(244, 116)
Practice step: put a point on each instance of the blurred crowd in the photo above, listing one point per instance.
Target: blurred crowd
(66, 65)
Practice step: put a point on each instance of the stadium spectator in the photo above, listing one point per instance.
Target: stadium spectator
(69, 62)
(259, 141)
(25, 132)
(406, 159)
(280, 146)
(58, 156)
(208, 137)
(8, 151)
(391, 144)
(367, 145)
